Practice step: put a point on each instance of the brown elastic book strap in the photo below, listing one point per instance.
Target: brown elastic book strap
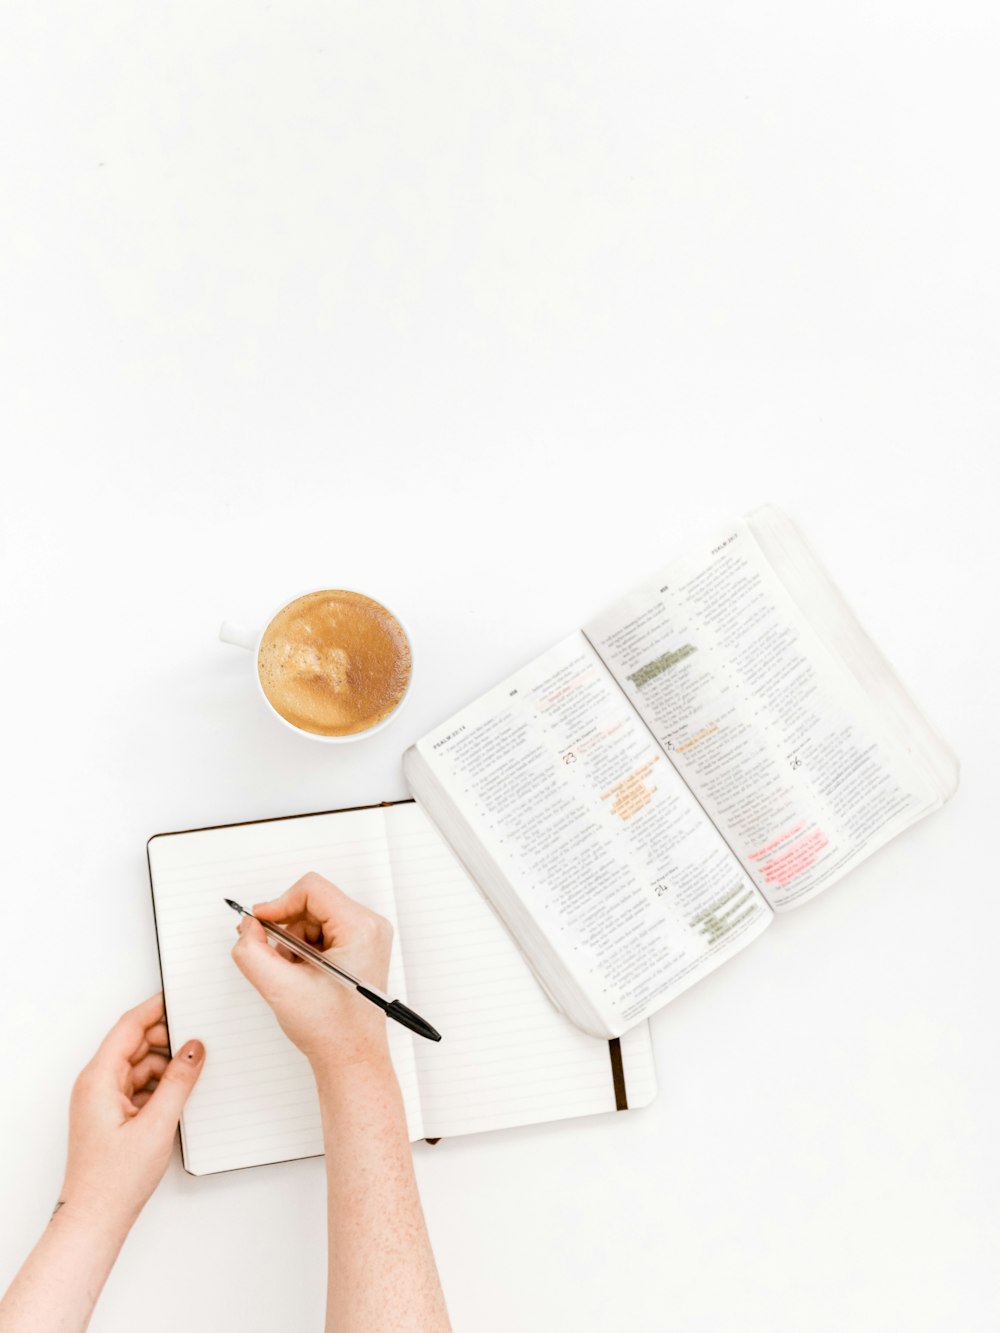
(618, 1074)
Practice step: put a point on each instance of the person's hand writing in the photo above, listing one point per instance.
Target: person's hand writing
(381, 1271)
(332, 1025)
(123, 1117)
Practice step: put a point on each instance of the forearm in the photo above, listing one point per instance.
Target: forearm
(60, 1281)
(381, 1267)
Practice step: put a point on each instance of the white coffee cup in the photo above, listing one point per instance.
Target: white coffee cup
(251, 640)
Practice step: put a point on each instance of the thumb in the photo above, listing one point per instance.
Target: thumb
(174, 1088)
(258, 962)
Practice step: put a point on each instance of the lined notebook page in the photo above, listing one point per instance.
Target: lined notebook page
(256, 1099)
(507, 1056)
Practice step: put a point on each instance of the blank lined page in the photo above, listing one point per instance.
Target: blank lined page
(256, 1100)
(507, 1056)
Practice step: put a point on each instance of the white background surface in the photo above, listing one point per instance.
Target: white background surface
(489, 309)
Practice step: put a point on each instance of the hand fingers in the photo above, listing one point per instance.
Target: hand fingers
(129, 1033)
(305, 930)
(258, 962)
(164, 1107)
(154, 1040)
(316, 899)
(301, 929)
(156, 1036)
(149, 1067)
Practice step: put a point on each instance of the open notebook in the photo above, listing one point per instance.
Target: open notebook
(506, 1057)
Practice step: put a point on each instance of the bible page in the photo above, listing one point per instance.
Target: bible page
(770, 731)
(256, 1099)
(620, 883)
(506, 1056)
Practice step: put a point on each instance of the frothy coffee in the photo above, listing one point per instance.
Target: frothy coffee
(334, 662)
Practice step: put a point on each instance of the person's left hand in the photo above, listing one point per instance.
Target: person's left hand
(123, 1116)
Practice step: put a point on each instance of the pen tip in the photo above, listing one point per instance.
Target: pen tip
(235, 906)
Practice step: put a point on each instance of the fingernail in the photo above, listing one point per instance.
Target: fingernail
(192, 1051)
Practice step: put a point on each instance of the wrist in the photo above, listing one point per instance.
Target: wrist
(89, 1227)
(364, 1048)
(93, 1217)
(338, 1076)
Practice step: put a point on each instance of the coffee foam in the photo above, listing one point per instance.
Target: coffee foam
(334, 662)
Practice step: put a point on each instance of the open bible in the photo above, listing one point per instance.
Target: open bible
(720, 745)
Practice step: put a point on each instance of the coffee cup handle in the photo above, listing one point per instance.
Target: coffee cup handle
(236, 634)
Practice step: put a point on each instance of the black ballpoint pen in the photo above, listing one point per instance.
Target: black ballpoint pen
(393, 1008)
